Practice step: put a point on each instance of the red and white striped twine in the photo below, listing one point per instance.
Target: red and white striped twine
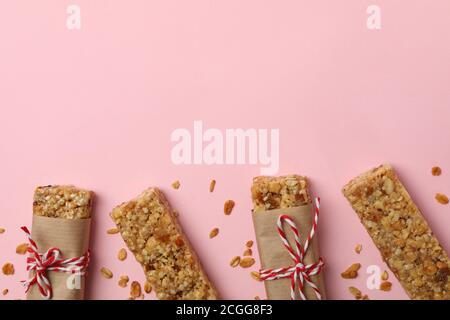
(50, 261)
(299, 273)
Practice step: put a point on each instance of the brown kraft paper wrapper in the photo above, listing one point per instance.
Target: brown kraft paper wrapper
(273, 254)
(71, 236)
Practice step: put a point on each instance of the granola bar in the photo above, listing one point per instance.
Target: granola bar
(66, 202)
(279, 192)
(151, 231)
(401, 233)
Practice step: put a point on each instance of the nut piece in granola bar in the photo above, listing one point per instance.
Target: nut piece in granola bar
(66, 202)
(148, 287)
(279, 192)
(400, 232)
(152, 233)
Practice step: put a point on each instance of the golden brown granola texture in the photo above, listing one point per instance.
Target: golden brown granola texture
(401, 233)
(279, 192)
(151, 231)
(66, 202)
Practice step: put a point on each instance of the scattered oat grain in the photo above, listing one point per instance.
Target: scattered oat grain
(436, 171)
(122, 254)
(351, 272)
(255, 275)
(123, 281)
(112, 231)
(228, 207)
(358, 248)
(247, 253)
(147, 287)
(8, 269)
(212, 185)
(249, 244)
(22, 248)
(135, 290)
(5, 292)
(355, 292)
(386, 286)
(176, 185)
(441, 198)
(106, 273)
(235, 261)
(214, 232)
(2, 230)
(247, 262)
(384, 275)
(257, 298)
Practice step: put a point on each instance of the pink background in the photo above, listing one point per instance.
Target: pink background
(96, 108)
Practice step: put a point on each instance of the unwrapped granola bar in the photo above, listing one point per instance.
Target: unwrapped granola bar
(151, 231)
(279, 192)
(400, 232)
(66, 202)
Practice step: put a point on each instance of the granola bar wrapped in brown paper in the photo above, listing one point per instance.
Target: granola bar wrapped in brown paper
(59, 241)
(280, 205)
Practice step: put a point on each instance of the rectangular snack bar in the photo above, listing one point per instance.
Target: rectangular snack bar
(66, 202)
(279, 192)
(273, 197)
(152, 232)
(61, 219)
(401, 233)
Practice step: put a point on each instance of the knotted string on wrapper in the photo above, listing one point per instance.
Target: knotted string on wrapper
(50, 261)
(299, 273)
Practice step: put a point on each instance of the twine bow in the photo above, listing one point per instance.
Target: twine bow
(50, 261)
(299, 273)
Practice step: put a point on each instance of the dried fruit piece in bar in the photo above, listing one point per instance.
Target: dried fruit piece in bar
(152, 232)
(66, 202)
(279, 192)
(401, 233)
